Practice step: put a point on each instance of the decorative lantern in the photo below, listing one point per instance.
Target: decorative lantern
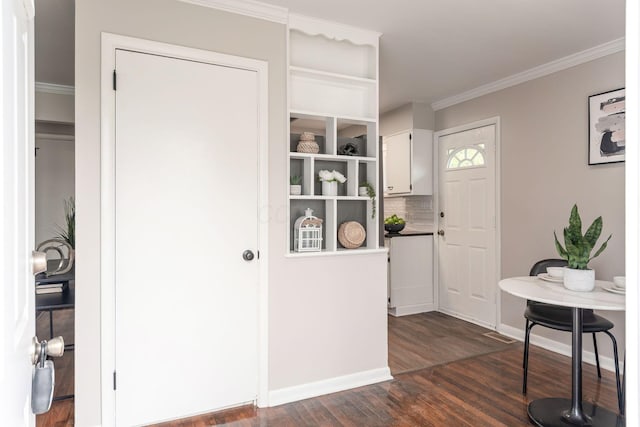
(307, 232)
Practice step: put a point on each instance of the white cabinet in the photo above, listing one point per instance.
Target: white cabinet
(333, 93)
(408, 163)
(410, 274)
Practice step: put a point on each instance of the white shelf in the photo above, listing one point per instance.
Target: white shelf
(329, 76)
(331, 157)
(339, 252)
(320, 197)
(307, 114)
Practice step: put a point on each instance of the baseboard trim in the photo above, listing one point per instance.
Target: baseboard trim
(467, 319)
(331, 385)
(411, 309)
(589, 357)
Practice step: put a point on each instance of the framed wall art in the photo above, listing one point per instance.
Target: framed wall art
(606, 127)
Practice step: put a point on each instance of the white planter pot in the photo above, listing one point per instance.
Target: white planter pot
(295, 190)
(579, 280)
(329, 188)
(362, 192)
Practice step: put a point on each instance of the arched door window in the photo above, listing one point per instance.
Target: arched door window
(471, 156)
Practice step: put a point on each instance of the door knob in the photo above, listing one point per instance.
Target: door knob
(54, 348)
(248, 255)
(440, 232)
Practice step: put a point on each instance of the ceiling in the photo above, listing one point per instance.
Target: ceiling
(429, 50)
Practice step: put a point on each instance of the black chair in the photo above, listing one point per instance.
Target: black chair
(559, 318)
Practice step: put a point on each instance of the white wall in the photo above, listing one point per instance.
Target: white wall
(327, 314)
(545, 171)
(54, 107)
(55, 182)
(396, 120)
(414, 115)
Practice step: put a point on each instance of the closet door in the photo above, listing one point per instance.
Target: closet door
(186, 197)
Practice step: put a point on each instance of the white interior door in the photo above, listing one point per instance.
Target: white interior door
(17, 319)
(467, 224)
(186, 197)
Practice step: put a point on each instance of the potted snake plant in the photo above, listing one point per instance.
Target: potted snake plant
(577, 251)
(295, 185)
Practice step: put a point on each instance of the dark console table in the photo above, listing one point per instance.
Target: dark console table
(57, 301)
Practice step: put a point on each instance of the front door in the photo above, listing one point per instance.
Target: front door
(467, 224)
(17, 317)
(186, 209)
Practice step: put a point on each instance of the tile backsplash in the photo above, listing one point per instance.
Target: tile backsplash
(416, 210)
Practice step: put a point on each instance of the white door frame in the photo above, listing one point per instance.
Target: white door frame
(436, 188)
(111, 42)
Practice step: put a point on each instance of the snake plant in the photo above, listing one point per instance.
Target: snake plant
(577, 248)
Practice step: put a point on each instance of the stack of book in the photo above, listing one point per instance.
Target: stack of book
(49, 288)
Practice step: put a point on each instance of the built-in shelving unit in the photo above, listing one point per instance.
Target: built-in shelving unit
(333, 93)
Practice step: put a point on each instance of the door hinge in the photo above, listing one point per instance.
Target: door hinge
(114, 79)
(114, 380)
(258, 254)
(410, 136)
(410, 186)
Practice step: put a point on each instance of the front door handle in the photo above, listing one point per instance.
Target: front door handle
(248, 255)
(440, 232)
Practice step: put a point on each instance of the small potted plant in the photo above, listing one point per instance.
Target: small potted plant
(366, 189)
(330, 180)
(295, 185)
(577, 251)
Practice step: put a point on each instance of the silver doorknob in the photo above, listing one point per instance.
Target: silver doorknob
(54, 348)
(248, 255)
(440, 232)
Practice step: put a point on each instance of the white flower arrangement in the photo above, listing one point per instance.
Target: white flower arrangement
(328, 176)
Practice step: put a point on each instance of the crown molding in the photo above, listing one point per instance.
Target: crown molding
(587, 55)
(254, 9)
(54, 88)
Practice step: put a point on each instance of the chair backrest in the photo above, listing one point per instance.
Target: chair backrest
(541, 266)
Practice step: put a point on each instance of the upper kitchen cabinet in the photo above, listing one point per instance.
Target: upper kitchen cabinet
(408, 163)
(333, 127)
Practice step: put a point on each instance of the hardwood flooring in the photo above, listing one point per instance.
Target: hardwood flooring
(446, 373)
(429, 339)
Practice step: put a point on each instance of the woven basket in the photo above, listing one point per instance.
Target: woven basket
(351, 234)
(307, 136)
(308, 147)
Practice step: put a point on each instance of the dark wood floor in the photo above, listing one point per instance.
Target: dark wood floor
(446, 373)
(430, 339)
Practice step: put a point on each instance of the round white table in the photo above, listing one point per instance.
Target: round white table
(559, 412)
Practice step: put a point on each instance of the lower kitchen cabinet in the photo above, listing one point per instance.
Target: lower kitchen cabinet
(410, 274)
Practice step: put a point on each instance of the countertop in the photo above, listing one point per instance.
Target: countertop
(410, 232)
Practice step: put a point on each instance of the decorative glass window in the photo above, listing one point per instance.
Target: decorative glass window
(471, 156)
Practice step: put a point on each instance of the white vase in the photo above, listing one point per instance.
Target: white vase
(363, 191)
(329, 188)
(579, 280)
(295, 189)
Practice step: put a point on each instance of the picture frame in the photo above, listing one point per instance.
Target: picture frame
(607, 127)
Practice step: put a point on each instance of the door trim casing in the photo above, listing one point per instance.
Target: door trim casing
(498, 225)
(109, 44)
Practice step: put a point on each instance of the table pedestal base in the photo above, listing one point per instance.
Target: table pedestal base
(552, 412)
